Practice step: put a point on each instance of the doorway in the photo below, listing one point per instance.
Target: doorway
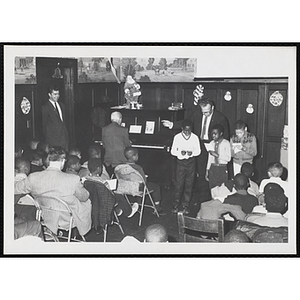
(61, 72)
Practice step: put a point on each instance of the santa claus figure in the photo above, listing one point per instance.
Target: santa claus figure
(132, 92)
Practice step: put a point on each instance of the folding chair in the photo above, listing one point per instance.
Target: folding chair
(198, 230)
(131, 183)
(115, 221)
(103, 206)
(51, 209)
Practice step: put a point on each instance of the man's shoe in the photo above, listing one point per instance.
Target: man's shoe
(185, 211)
(175, 210)
(135, 207)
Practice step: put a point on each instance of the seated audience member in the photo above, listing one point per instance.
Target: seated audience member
(275, 201)
(95, 168)
(242, 197)
(18, 151)
(236, 236)
(214, 209)
(247, 169)
(72, 164)
(22, 211)
(94, 152)
(36, 163)
(75, 151)
(262, 234)
(274, 172)
(22, 168)
(227, 188)
(132, 156)
(43, 146)
(54, 182)
(156, 233)
(32, 145)
(27, 228)
(224, 190)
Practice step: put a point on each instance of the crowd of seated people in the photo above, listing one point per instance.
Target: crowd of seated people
(83, 187)
(250, 207)
(44, 170)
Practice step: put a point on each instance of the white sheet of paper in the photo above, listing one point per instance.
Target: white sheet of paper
(149, 127)
(135, 129)
(209, 147)
(112, 184)
(235, 149)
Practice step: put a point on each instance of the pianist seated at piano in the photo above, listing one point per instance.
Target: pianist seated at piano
(115, 139)
(132, 156)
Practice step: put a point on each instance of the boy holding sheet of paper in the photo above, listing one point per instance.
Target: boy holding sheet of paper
(219, 155)
(243, 146)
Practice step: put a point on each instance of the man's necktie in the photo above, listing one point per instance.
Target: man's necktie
(56, 108)
(217, 150)
(204, 128)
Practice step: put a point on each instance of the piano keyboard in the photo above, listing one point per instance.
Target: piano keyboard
(148, 146)
(162, 147)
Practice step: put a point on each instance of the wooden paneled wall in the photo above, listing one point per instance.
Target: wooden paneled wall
(266, 122)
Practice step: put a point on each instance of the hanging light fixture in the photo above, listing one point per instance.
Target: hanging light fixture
(57, 72)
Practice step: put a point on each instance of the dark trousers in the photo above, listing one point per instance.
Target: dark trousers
(185, 175)
(201, 162)
(217, 175)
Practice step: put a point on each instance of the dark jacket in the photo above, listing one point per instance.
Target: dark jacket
(196, 117)
(115, 139)
(55, 130)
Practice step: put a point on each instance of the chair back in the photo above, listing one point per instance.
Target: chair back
(199, 230)
(130, 181)
(103, 201)
(54, 212)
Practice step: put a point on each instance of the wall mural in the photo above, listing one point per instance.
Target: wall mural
(101, 69)
(25, 71)
(104, 69)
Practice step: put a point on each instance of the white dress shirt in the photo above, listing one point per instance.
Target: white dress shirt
(58, 107)
(206, 137)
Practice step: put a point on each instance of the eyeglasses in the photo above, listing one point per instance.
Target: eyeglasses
(206, 113)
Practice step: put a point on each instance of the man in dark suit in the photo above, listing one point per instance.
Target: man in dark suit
(115, 139)
(203, 116)
(54, 127)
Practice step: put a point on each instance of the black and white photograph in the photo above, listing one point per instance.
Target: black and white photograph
(150, 149)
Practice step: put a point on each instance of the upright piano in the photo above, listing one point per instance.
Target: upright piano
(153, 140)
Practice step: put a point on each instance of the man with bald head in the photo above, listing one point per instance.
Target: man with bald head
(156, 233)
(115, 139)
(242, 197)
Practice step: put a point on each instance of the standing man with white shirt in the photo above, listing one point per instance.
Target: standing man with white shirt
(53, 115)
(204, 117)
